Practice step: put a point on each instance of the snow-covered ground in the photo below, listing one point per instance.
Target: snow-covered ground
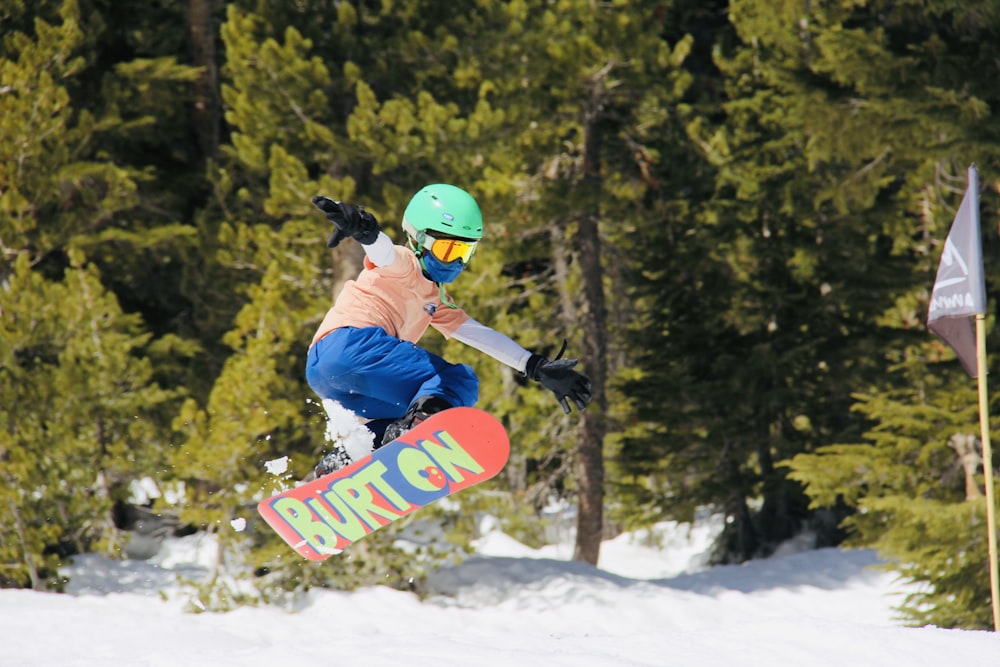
(510, 605)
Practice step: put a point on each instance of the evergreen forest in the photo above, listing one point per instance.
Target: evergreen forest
(732, 211)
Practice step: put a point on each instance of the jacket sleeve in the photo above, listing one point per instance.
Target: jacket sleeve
(381, 252)
(492, 342)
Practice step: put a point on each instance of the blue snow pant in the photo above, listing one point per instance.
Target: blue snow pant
(377, 376)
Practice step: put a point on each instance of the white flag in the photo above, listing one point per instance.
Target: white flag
(960, 288)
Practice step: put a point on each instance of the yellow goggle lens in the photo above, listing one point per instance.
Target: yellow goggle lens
(449, 250)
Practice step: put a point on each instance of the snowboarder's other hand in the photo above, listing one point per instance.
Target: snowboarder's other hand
(559, 377)
(348, 220)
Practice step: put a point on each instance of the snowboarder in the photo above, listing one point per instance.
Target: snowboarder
(365, 354)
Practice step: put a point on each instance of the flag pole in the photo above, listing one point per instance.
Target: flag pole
(959, 292)
(984, 428)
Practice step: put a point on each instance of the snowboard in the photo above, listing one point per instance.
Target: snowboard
(449, 451)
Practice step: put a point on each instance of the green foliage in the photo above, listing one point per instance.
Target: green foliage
(270, 256)
(85, 423)
(48, 172)
(83, 413)
(942, 548)
(825, 169)
(908, 495)
(903, 483)
(768, 185)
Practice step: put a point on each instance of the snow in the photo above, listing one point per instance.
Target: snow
(651, 602)
(342, 426)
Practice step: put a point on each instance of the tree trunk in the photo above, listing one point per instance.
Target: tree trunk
(206, 87)
(775, 522)
(592, 318)
(37, 582)
(590, 448)
(968, 449)
(348, 259)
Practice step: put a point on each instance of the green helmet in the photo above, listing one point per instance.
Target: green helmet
(444, 209)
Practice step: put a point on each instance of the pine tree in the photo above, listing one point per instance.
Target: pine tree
(665, 466)
(55, 190)
(81, 419)
(581, 91)
(83, 413)
(830, 135)
(91, 154)
(912, 489)
(570, 105)
(757, 191)
(265, 241)
(911, 496)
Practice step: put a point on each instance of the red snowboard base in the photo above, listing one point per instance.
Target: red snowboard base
(450, 451)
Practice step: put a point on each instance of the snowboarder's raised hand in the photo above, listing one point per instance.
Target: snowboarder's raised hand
(559, 377)
(348, 220)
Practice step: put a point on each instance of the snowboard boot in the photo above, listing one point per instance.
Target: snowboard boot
(337, 458)
(420, 409)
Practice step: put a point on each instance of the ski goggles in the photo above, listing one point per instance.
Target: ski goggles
(450, 250)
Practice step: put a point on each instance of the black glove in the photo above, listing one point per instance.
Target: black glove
(559, 377)
(348, 220)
